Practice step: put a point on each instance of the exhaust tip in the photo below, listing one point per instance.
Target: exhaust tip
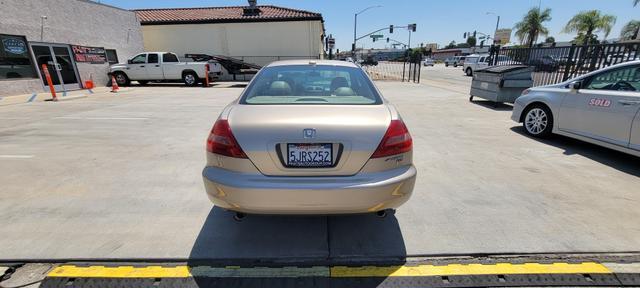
(238, 216)
(381, 213)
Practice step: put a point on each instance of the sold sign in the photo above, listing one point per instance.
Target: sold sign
(600, 102)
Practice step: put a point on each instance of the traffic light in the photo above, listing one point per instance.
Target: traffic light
(412, 27)
(474, 34)
(387, 39)
(464, 35)
(374, 39)
(482, 44)
(390, 30)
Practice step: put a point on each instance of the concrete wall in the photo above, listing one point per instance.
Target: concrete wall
(260, 43)
(70, 22)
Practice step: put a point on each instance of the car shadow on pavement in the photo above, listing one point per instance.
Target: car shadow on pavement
(493, 105)
(618, 160)
(260, 240)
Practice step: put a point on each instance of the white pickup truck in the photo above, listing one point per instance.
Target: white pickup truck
(163, 67)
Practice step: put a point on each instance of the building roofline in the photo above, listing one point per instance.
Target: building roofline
(220, 21)
(105, 5)
(313, 17)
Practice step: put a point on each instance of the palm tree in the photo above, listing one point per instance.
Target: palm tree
(589, 22)
(532, 26)
(635, 2)
(630, 30)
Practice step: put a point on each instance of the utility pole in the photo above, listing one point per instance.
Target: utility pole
(497, 26)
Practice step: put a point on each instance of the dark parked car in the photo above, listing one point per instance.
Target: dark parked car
(545, 63)
(369, 61)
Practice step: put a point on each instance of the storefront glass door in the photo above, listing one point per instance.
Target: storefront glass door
(59, 63)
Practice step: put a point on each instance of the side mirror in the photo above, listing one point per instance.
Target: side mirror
(129, 61)
(575, 85)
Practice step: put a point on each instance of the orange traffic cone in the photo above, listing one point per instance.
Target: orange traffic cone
(114, 84)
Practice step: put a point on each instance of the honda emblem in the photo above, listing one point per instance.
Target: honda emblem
(309, 133)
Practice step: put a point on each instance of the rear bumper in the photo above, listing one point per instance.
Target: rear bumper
(361, 193)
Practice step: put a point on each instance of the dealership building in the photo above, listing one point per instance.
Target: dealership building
(256, 34)
(76, 39)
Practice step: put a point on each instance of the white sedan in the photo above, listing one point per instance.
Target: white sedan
(601, 107)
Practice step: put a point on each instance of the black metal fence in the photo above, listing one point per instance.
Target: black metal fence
(557, 64)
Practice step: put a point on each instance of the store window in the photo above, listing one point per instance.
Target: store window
(112, 56)
(15, 62)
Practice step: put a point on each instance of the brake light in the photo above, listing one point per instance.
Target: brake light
(221, 141)
(397, 140)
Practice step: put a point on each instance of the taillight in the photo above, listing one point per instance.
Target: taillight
(397, 140)
(221, 141)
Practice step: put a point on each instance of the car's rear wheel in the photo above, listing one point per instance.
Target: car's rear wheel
(469, 72)
(190, 79)
(538, 121)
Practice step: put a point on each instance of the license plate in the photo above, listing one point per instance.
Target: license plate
(310, 155)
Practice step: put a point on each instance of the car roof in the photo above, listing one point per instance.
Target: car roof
(312, 62)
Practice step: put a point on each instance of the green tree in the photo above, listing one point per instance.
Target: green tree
(451, 45)
(550, 40)
(471, 41)
(589, 22)
(582, 39)
(462, 45)
(532, 25)
(630, 30)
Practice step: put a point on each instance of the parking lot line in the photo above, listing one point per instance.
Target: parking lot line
(10, 156)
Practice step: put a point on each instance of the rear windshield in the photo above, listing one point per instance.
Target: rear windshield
(311, 84)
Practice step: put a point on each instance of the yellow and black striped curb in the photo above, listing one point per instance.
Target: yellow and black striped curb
(451, 275)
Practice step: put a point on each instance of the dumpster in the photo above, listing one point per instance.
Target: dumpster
(501, 83)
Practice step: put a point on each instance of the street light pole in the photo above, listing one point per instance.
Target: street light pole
(355, 26)
(497, 26)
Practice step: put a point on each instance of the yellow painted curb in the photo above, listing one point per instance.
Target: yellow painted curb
(71, 271)
(469, 269)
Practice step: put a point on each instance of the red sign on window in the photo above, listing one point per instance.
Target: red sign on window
(93, 55)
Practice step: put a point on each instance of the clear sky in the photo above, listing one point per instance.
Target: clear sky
(438, 21)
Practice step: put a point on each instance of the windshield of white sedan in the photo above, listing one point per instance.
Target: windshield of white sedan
(311, 84)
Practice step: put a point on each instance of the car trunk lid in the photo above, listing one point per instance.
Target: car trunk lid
(267, 133)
